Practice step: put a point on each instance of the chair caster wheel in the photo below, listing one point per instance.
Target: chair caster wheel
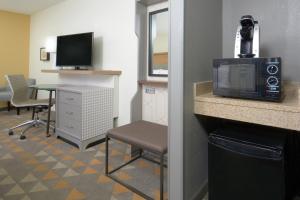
(10, 133)
(22, 137)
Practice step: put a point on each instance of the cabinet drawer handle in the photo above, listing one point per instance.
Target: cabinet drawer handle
(69, 113)
(70, 99)
(70, 127)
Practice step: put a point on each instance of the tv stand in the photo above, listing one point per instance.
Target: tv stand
(79, 68)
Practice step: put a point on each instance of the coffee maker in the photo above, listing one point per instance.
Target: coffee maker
(247, 38)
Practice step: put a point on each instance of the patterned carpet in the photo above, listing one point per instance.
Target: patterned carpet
(51, 169)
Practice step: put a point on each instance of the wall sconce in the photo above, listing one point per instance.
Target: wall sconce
(51, 44)
(50, 47)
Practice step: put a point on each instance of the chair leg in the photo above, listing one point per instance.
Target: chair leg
(33, 112)
(22, 136)
(18, 111)
(162, 177)
(23, 124)
(45, 124)
(8, 106)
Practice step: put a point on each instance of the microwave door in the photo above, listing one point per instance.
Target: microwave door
(247, 80)
(224, 77)
(237, 78)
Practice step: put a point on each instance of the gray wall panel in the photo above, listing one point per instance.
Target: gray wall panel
(202, 43)
(280, 30)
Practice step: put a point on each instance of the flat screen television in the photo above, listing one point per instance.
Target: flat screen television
(75, 50)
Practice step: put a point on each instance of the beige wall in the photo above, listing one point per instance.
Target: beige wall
(14, 45)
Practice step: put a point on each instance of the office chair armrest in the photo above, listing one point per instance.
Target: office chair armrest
(31, 81)
(31, 91)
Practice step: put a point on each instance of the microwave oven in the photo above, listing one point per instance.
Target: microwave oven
(249, 78)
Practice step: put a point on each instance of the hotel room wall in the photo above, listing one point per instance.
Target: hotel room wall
(152, 106)
(195, 41)
(279, 30)
(141, 32)
(14, 45)
(116, 44)
(155, 104)
(203, 42)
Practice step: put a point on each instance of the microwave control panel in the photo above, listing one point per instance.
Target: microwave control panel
(273, 79)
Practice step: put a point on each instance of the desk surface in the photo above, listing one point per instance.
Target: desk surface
(84, 72)
(46, 86)
(282, 115)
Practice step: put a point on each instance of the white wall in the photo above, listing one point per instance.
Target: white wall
(113, 24)
(155, 104)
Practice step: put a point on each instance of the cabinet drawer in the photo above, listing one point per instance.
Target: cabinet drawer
(69, 98)
(70, 126)
(69, 111)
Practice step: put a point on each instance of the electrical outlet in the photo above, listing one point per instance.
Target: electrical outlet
(150, 90)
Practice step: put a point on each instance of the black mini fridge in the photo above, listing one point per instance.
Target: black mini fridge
(247, 165)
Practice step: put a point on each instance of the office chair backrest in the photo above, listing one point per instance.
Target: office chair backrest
(19, 89)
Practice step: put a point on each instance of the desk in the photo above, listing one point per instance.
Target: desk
(51, 88)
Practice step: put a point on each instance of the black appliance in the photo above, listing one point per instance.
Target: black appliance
(247, 38)
(246, 165)
(250, 78)
(75, 50)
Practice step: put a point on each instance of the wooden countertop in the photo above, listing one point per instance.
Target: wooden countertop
(154, 83)
(285, 114)
(83, 72)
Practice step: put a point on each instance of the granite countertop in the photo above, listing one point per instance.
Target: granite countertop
(285, 114)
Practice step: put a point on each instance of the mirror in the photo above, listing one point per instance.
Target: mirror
(158, 43)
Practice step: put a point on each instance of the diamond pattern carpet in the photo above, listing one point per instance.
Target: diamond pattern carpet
(41, 168)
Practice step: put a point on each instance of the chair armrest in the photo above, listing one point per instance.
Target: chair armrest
(31, 91)
(31, 82)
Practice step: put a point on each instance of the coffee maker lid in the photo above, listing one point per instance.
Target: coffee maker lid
(247, 20)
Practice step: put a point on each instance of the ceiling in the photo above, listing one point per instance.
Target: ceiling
(26, 6)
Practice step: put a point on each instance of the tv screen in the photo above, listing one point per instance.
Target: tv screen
(74, 50)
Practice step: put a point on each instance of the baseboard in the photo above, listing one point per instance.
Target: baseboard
(200, 194)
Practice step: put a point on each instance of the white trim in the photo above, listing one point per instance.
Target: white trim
(175, 128)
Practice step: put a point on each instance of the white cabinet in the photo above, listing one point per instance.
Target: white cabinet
(83, 114)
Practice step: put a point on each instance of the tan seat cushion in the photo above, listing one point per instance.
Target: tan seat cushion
(143, 134)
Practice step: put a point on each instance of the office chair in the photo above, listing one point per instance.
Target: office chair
(19, 98)
(5, 94)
